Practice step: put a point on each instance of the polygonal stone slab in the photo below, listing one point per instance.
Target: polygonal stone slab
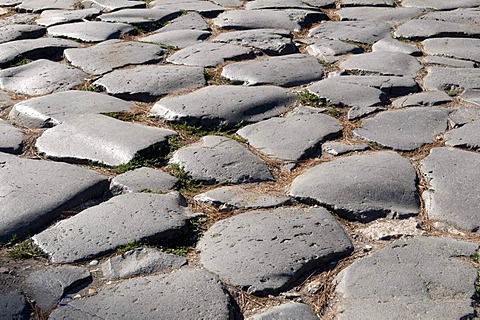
(288, 71)
(451, 78)
(405, 129)
(121, 220)
(224, 105)
(440, 5)
(392, 45)
(359, 31)
(35, 192)
(463, 115)
(113, 5)
(100, 139)
(205, 8)
(37, 6)
(369, 3)
(265, 252)
(461, 48)
(276, 4)
(146, 19)
(188, 21)
(361, 187)
(90, 31)
(218, 159)
(256, 19)
(177, 38)
(40, 77)
(390, 15)
(447, 62)
(471, 96)
(462, 16)
(20, 31)
(428, 99)
(419, 29)
(142, 179)
(392, 86)
(417, 278)
(330, 50)
(339, 148)
(169, 296)
(11, 138)
(290, 310)
(53, 17)
(467, 136)
(113, 54)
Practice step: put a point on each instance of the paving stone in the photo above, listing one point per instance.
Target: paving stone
(269, 41)
(53, 17)
(121, 220)
(382, 63)
(140, 262)
(48, 285)
(228, 3)
(461, 48)
(390, 85)
(447, 62)
(37, 6)
(146, 19)
(112, 54)
(40, 77)
(366, 32)
(51, 110)
(100, 139)
(462, 16)
(177, 38)
(10, 3)
(225, 105)
(209, 54)
(392, 229)
(441, 287)
(138, 180)
(471, 96)
(256, 19)
(296, 136)
(265, 252)
(439, 78)
(150, 82)
(392, 45)
(5, 101)
(389, 15)
(361, 187)
(419, 29)
(11, 138)
(452, 178)
(286, 311)
(288, 71)
(463, 115)
(331, 50)
(186, 294)
(368, 3)
(205, 8)
(188, 21)
(232, 163)
(339, 148)
(90, 31)
(20, 31)
(360, 112)
(440, 5)
(18, 18)
(239, 197)
(13, 305)
(113, 5)
(427, 99)
(35, 192)
(468, 136)
(278, 4)
(321, 3)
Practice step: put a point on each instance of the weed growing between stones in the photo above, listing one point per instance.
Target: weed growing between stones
(185, 130)
(213, 77)
(25, 250)
(365, 47)
(186, 183)
(129, 246)
(21, 61)
(309, 99)
(124, 116)
(454, 92)
(91, 88)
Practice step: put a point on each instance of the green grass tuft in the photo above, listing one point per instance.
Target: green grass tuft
(25, 250)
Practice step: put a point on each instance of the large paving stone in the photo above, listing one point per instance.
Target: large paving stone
(420, 29)
(440, 5)
(462, 48)
(467, 136)
(428, 99)
(187, 294)
(146, 19)
(13, 305)
(390, 85)
(113, 5)
(225, 105)
(113, 54)
(209, 54)
(368, 3)
(390, 15)
(361, 187)
(53, 17)
(100, 139)
(417, 278)
(206, 8)
(90, 31)
(265, 252)
(338, 148)
(20, 31)
(36, 192)
(218, 159)
(151, 82)
(121, 220)
(142, 179)
(286, 311)
(471, 96)
(405, 129)
(276, 4)
(37, 6)
(360, 112)
(228, 3)
(389, 44)
(447, 62)
(188, 21)
(51, 110)
(290, 70)
(256, 19)
(462, 16)
(177, 38)
(359, 31)
(452, 178)
(11, 138)
(296, 136)
(5, 101)
(331, 50)
(463, 115)
(40, 77)
(451, 78)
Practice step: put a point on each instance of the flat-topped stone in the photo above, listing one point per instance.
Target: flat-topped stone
(224, 105)
(20, 31)
(440, 5)
(53, 17)
(121, 220)
(264, 252)
(427, 99)
(90, 31)
(461, 48)
(219, 159)
(177, 38)
(471, 96)
(467, 136)
(389, 15)
(206, 8)
(468, 17)
(142, 180)
(339, 148)
(256, 19)
(355, 113)
(37, 6)
(331, 50)
(368, 3)
(419, 29)
(11, 138)
(361, 187)
(5, 101)
(189, 21)
(113, 5)
(228, 3)
(391, 85)
(276, 4)
(100, 139)
(286, 311)
(389, 44)
(439, 78)
(14, 305)
(463, 115)
(447, 62)
(146, 19)
(366, 32)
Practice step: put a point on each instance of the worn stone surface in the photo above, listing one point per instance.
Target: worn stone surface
(20, 31)
(463, 115)
(427, 99)
(113, 5)
(11, 138)
(272, 255)
(178, 38)
(146, 19)
(447, 62)
(13, 305)
(370, 3)
(390, 15)
(330, 50)
(90, 31)
(142, 179)
(392, 45)
(291, 310)
(468, 136)
(339, 148)
(53, 17)
(451, 78)
(276, 4)
(420, 29)
(440, 5)
(461, 48)
(206, 8)
(37, 6)
(188, 21)
(471, 96)
(359, 31)
(256, 19)
(382, 229)
(390, 85)
(355, 113)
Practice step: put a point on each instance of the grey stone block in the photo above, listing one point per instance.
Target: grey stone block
(90, 31)
(142, 179)
(113, 5)
(11, 138)
(177, 38)
(471, 96)
(447, 62)
(427, 99)
(287, 311)
(256, 19)
(368, 3)
(37, 6)
(389, 15)
(419, 29)
(13, 305)
(205, 8)
(330, 50)
(146, 19)
(463, 115)
(20, 31)
(392, 45)
(189, 21)
(460, 48)
(390, 85)
(441, 5)
(359, 31)
(468, 136)
(451, 78)
(339, 148)
(53, 17)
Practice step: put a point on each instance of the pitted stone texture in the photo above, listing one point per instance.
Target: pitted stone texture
(269, 41)
(51, 110)
(90, 31)
(13, 305)
(382, 63)
(113, 5)
(368, 3)
(362, 187)
(405, 129)
(287, 311)
(147, 19)
(18, 18)
(11, 138)
(142, 179)
(440, 5)
(121, 220)
(256, 19)
(451, 78)
(382, 229)
(447, 62)
(218, 159)
(339, 148)
(140, 262)
(427, 99)
(240, 197)
(420, 29)
(331, 50)
(187, 294)
(35, 192)
(360, 31)
(209, 54)
(392, 45)
(280, 246)
(278, 4)
(452, 178)
(205, 8)
(113, 54)
(432, 279)
(40, 77)
(225, 105)
(37, 6)
(464, 115)
(100, 139)
(50, 284)
(471, 96)
(188, 21)
(53, 17)
(177, 38)
(288, 71)
(150, 82)
(389, 15)
(461, 48)
(20, 31)
(468, 136)
(296, 136)
(462, 16)
(392, 86)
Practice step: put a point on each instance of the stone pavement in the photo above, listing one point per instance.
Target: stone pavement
(239, 159)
